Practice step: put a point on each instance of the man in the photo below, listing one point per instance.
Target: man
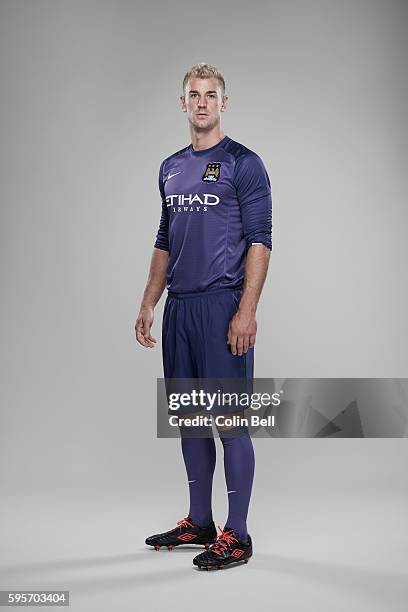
(212, 249)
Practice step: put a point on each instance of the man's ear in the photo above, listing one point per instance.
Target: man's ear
(183, 104)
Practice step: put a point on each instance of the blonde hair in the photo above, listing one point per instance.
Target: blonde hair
(204, 71)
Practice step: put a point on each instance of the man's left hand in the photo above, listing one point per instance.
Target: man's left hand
(242, 332)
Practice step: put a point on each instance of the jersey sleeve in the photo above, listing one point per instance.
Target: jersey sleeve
(162, 237)
(255, 199)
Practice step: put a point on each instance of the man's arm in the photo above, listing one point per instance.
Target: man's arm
(254, 194)
(242, 327)
(155, 286)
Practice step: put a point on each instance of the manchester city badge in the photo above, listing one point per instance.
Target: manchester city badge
(212, 172)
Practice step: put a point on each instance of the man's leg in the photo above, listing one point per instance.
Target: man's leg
(197, 444)
(199, 455)
(239, 467)
(215, 361)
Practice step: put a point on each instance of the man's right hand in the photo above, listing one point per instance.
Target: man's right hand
(143, 325)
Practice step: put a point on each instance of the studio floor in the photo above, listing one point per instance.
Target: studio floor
(313, 553)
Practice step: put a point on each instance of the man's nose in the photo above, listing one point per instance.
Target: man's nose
(202, 102)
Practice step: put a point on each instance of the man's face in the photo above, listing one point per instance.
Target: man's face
(203, 102)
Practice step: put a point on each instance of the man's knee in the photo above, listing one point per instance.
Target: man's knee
(187, 430)
(232, 425)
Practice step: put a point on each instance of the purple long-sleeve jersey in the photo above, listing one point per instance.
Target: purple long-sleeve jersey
(216, 203)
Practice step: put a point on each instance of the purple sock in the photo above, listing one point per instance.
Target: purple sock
(199, 457)
(239, 467)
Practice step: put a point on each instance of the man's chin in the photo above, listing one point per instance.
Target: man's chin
(203, 126)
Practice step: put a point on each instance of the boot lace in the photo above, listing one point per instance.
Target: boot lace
(184, 523)
(223, 541)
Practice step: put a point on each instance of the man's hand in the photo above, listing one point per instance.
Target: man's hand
(154, 288)
(242, 332)
(143, 325)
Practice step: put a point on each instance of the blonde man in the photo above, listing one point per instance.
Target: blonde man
(212, 252)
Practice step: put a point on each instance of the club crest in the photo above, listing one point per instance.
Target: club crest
(212, 172)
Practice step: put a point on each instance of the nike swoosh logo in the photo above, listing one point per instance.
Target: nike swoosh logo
(231, 491)
(191, 481)
(171, 175)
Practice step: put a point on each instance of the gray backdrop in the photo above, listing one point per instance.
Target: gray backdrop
(89, 108)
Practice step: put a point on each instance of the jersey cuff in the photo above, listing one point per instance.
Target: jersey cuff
(260, 239)
(162, 247)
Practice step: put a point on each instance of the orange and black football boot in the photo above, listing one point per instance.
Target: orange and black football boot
(228, 548)
(185, 533)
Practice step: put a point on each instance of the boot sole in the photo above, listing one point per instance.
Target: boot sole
(171, 546)
(227, 564)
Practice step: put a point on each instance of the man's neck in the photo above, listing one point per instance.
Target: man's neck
(205, 140)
